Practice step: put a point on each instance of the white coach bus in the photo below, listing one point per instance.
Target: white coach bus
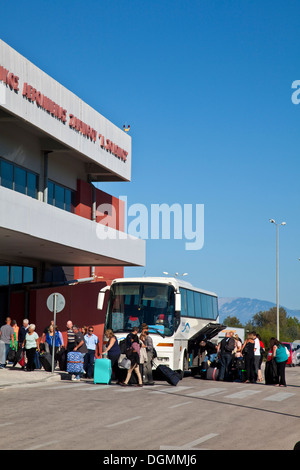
(178, 316)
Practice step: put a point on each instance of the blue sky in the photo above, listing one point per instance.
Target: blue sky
(206, 89)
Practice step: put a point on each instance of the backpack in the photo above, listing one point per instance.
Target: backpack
(123, 346)
(229, 345)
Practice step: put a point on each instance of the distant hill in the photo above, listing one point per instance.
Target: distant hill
(244, 308)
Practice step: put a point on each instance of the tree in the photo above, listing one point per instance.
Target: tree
(232, 321)
(265, 324)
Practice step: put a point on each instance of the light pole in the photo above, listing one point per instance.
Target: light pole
(176, 274)
(277, 272)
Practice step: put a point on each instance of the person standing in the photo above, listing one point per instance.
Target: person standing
(238, 358)
(113, 352)
(31, 345)
(262, 351)
(22, 332)
(257, 355)
(16, 335)
(52, 336)
(92, 344)
(225, 349)
(7, 335)
(280, 355)
(134, 355)
(143, 353)
(70, 336)
(248, 353)
(80, 346)
(21, 337)
(147, 366)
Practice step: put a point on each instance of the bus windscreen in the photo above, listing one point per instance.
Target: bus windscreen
(132, 305)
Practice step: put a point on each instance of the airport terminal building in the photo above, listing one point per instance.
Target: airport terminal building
(53, 147)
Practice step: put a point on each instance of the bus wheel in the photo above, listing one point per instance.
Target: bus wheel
(185, 366)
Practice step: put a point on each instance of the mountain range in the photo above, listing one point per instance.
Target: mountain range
(244, 308)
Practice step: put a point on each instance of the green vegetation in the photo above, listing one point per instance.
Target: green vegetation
(264, 323)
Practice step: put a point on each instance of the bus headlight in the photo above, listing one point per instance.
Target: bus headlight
(163, 359)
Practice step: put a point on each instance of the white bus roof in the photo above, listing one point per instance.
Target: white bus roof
(164, 280)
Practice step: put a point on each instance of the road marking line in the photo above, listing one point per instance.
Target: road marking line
(128, 389)
(279, 396)
(172, 389)
(122, 422)
(6, 424)
(70, 385)
(243, 394)
(180, 404)
(95, 387)
(46, 444)
(208, 391)
(190, 445)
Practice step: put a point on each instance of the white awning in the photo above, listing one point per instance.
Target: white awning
(32, 231)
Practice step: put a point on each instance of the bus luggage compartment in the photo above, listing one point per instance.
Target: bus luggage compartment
(208, 332)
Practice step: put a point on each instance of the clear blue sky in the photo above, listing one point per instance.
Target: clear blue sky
(206, 89)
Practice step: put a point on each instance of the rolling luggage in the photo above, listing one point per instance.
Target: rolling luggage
(61, 357)
(37, 362)
(102, 371)
(271, 375)
(212, 373)
(74, 362)
(46, 361)
(171, 376)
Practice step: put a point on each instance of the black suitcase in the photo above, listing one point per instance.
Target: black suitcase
(61, 357)
(46, 361)
(171, 376)
(271, 375)
(212, 373)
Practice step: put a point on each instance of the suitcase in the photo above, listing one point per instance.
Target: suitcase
(102, 371)
(271, 375)
(212, 373)
(171, 376)
(74, 362)
(46, 361)
(62, 359)
(37, 362)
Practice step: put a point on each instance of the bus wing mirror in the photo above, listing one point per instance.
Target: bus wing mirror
(101, 298)
(177, 302)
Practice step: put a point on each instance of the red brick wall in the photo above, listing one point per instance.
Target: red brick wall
(114, 219)
(81, 299)
(80, 308)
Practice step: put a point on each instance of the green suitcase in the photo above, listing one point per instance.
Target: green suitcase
(102, 371)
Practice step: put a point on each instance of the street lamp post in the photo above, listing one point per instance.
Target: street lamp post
(277, 272)
(176, 274)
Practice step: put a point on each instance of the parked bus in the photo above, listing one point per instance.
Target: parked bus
(177, 314)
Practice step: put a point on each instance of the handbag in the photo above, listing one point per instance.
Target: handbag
(21, 357)
(125, 363)
(11, 355)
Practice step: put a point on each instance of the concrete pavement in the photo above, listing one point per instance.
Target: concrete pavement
(15, 376)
